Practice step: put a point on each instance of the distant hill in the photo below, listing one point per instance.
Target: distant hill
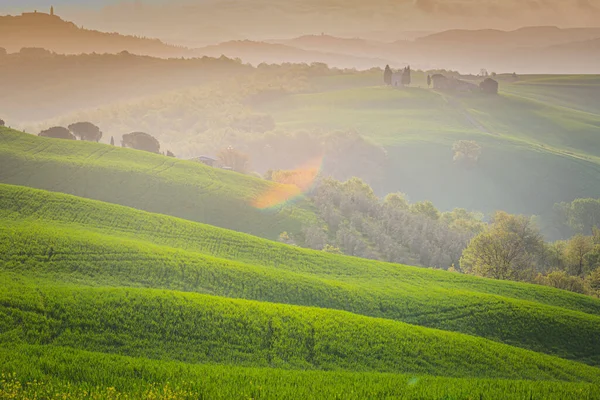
(277, 53)
(43, 85)
(536, 36)
(355, 46)
(53, 33)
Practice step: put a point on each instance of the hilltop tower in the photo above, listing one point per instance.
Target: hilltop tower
(52, 10)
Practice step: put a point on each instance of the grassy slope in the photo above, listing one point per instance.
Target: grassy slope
(193, 328)
(84, 373)
(146, 181)
(93, 243)
(540, 138)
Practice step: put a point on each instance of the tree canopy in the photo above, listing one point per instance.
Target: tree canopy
(141, 141)
(57, 132)
(86, 131)
(507, 249)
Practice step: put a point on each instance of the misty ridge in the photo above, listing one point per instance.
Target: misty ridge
(525, 50)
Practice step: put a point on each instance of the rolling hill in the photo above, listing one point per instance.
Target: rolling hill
(151, 182)
(540, 137)
(255, 53)
(90, 242)
(145, 303)
(53, 33)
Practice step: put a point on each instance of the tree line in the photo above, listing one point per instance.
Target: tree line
(508, 247)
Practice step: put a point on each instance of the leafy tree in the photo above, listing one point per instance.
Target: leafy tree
(594, 280)
(332, 249)
(581, 215)
(576, 250)
(561, 280)
(2, 123)
(86, 131)
(396, 201)
(506, 250)
(315, 237)
(234, 159)
(286, 238)
(141, 141)
(170, 154)
(387, 75)
(466, 152)
(57, 132)
(425, 208)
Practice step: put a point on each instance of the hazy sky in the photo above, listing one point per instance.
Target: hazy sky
(186, 21)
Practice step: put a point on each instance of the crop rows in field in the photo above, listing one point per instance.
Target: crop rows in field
(35, 241)
(205, 329)
(103, 376)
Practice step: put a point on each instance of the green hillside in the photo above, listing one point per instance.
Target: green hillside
(175, 326)
(145, 304)
(540, 137)
(99, 376)
(65, 238)
(147, 181)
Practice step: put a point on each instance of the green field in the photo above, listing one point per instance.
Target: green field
(125, 274)
(540, 137)
(147, 181)
(152, 305)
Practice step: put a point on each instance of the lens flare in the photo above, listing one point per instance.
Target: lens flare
(292, 184)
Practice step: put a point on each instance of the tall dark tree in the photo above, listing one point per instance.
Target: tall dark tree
(387, 75)
(112, 140)
(428, 80)
(406, 78)
(57, 132)
(2, 123)
(141, 141)
(86, 131)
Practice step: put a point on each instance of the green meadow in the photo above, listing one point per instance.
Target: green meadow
(152, 305)
(129, 275)
(540, 137)
(147, 181)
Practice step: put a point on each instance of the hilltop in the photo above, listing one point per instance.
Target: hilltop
(150, 182)
(41, 30)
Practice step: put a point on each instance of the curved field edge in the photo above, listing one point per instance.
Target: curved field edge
(176, 326)
(74, 255)
(19, 203)
(151, 182)
(49, 371)
(35, 246)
